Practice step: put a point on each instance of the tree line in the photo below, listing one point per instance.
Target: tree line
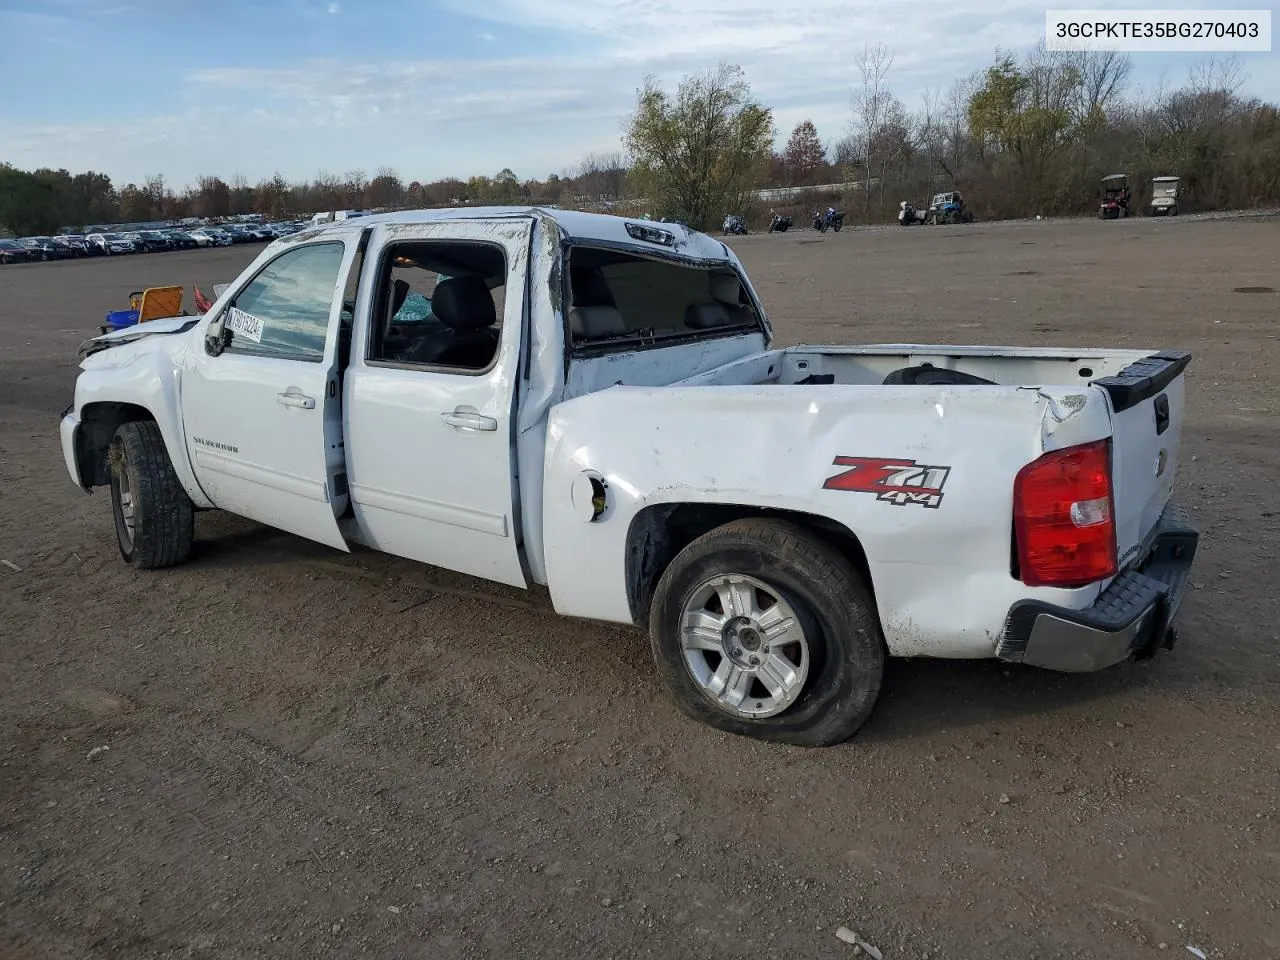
(1029, 134)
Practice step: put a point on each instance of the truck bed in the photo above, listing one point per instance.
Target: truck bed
(1144, 390)
(869, 365)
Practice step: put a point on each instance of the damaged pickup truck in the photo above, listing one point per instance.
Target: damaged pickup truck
(595, 404)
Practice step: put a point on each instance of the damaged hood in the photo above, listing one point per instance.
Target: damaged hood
(138, 331)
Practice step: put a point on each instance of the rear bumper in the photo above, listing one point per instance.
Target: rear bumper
(1134, 616)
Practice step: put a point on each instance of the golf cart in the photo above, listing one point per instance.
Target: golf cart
(1164, 197)
(1115, 197)
(948, 208)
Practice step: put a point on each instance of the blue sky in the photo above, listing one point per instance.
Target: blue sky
(437, 88)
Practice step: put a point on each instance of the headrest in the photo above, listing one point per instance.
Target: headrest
(464, 303)
(589, 288)
(592, 322)
(726, 289)
(703, 316)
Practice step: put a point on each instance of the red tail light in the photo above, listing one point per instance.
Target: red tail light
(1064, 517)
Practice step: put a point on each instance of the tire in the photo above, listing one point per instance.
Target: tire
(154, 517)
(835, 666)
(837, 227)
(1173, 211)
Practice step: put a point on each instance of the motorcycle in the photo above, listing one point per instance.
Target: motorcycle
(833, 218)
(779, 223)
(909, 213)
(734, 224)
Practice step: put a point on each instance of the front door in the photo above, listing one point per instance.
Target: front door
(262, 404)
(430, 394)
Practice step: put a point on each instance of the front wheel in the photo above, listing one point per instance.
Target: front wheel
(836, 226)
(154, 517)
(760, 629)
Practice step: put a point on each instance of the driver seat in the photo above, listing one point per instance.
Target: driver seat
(465, 305)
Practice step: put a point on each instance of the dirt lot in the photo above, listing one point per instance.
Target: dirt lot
(315, 754)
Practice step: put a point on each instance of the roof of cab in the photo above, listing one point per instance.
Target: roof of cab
(572, 223)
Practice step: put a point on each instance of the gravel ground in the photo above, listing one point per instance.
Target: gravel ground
(280, 750)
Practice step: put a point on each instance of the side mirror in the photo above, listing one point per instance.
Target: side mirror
(216, 337)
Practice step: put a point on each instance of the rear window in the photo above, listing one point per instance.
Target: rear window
(618, 297)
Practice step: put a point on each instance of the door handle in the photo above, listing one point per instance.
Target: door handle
(296, 400)
(1162, 413)
(469, 421)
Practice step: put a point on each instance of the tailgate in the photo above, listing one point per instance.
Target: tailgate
(1147, 400)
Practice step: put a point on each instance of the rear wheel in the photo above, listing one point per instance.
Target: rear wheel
(154, 517)
(760, 629)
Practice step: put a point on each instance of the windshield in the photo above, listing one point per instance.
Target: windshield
(1165, 190)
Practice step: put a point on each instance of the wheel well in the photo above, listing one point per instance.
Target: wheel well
(660, 532)
(98, 424)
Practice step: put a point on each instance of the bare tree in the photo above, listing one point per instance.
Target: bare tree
(870, 103)
(357, 182)
(602, 176)
(1103, 75)
(1217, 76)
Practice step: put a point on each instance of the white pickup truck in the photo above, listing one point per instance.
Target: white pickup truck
(596, 404)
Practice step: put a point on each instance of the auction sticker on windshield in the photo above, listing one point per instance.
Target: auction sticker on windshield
(244, 324)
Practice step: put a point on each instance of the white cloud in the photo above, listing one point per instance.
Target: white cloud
(541, 112)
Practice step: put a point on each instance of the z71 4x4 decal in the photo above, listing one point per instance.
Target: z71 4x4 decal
(893, 481)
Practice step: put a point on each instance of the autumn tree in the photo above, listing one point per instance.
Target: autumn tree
(135, 205)
(385, 189)
(157, 193)
(26, 205)
(699, 153)
(273, 198)
(505, 187)
(213, 197)
(1029, 111)
(804, 154)
(242, 195)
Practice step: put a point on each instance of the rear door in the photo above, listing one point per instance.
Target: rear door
(1147, 400)
(431, 390)
(263, 412)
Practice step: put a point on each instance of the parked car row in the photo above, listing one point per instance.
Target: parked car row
(69, 246)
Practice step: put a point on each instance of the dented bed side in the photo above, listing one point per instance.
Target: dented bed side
(922, 477)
